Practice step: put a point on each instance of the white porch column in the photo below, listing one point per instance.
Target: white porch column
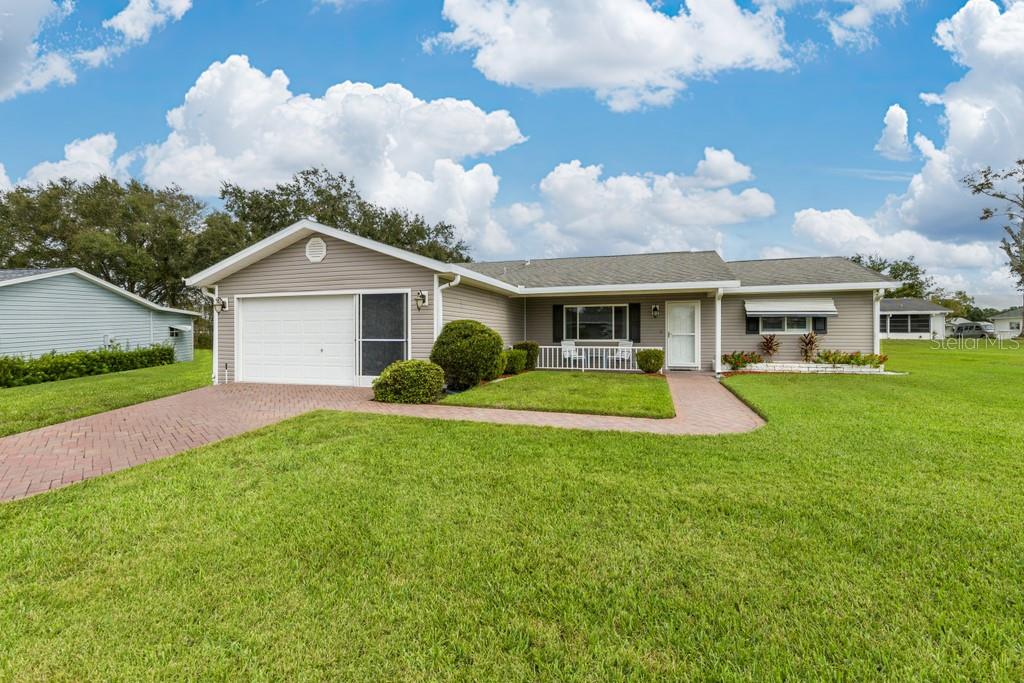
(718, 332)
(877, 309)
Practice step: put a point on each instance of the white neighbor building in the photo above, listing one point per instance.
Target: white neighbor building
(911, 319)
(1008, 323)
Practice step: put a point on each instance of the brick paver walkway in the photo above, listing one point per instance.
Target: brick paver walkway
(65, 453)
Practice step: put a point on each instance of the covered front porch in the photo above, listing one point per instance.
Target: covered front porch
(595, 332)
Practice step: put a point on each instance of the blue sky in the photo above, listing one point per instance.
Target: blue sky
(790, 105)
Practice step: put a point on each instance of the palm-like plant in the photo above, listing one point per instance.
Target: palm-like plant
(770, 346)
(808, 346)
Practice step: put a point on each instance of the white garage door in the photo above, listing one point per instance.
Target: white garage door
(298, 340)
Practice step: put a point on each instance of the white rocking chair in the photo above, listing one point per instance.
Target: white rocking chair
(570, 353)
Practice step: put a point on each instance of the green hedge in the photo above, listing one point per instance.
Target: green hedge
(515, 361)
(532, 353)
(468, 352)
(409, 381)
(51, 367)
(650, 360)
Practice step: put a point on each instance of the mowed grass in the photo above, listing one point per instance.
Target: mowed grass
(598, 393)
(39, 405)
(871, 531)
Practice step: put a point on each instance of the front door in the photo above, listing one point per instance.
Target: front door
(682, 333)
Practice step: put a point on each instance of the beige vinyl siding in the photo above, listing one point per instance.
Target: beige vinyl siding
(346, 267)
(652, 330)
(851, 330)
(503, 314)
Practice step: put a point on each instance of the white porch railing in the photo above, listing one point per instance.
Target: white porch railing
(585, 358)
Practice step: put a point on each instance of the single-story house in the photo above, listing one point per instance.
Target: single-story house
(1008, 323)
(953, 323)
(67, 309)
(315, 305)
(912, 319)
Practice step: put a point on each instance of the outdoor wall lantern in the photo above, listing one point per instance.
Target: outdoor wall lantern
(655, 311)
(421, 300)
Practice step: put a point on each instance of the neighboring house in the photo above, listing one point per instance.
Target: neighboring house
(66, 309)
(1008, 323)
(912, 319)
(953, 323)
(316, 305)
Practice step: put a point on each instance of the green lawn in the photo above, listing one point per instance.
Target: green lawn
(872, 530)
(599, 393)
(38, 405)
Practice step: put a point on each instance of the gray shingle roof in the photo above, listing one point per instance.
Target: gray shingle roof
(16, 273)
(1011, 314)
(677, 266)
(911, 305)
(814, 270)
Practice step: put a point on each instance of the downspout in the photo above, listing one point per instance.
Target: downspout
(877, 314)
(718, 332)
(216, 320)
(439, 324)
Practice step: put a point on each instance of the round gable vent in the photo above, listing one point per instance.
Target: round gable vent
(316, 250)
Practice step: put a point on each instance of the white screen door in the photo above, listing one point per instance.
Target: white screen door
(682, 326)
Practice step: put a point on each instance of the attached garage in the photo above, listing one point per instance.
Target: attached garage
(336, 339)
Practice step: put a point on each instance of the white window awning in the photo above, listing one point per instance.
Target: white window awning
(770, 308)
(182, 328)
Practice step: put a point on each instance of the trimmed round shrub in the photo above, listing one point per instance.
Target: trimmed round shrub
(468, 352)
(515, 361)
(650, 360)
(409, 381)
(532, 353)
(499, 367)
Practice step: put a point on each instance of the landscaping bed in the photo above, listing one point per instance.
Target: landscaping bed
(593, 393)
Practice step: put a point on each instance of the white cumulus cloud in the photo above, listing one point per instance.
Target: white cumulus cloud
(26, 66)
(894, 143)
(628, 52)
(242, 125)
(84, 160)
(844, 232)
(582, 211)
(5, 181)
(137, 21)
(935, 218)
(855, 27)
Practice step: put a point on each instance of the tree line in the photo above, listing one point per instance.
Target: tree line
(147, 240)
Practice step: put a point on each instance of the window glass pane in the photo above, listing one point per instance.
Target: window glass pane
(796, 324)
(773, 324)
(899, 323)
(570, 322)
(377, 355)
(881, 324)
(383, 316)
(622, 322)
(920, 323)
(595, 322)
(1014, 326)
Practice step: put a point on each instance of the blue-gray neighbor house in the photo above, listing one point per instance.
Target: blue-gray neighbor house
(67, 309)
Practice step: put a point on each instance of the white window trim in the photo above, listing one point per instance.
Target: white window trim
(786, 331)
(596, 341)
(367, 380)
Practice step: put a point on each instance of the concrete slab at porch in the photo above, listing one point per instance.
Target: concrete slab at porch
(66, 453)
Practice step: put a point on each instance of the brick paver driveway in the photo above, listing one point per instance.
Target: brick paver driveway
(65, 453)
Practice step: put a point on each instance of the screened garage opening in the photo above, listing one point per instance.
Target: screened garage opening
(384, 331)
